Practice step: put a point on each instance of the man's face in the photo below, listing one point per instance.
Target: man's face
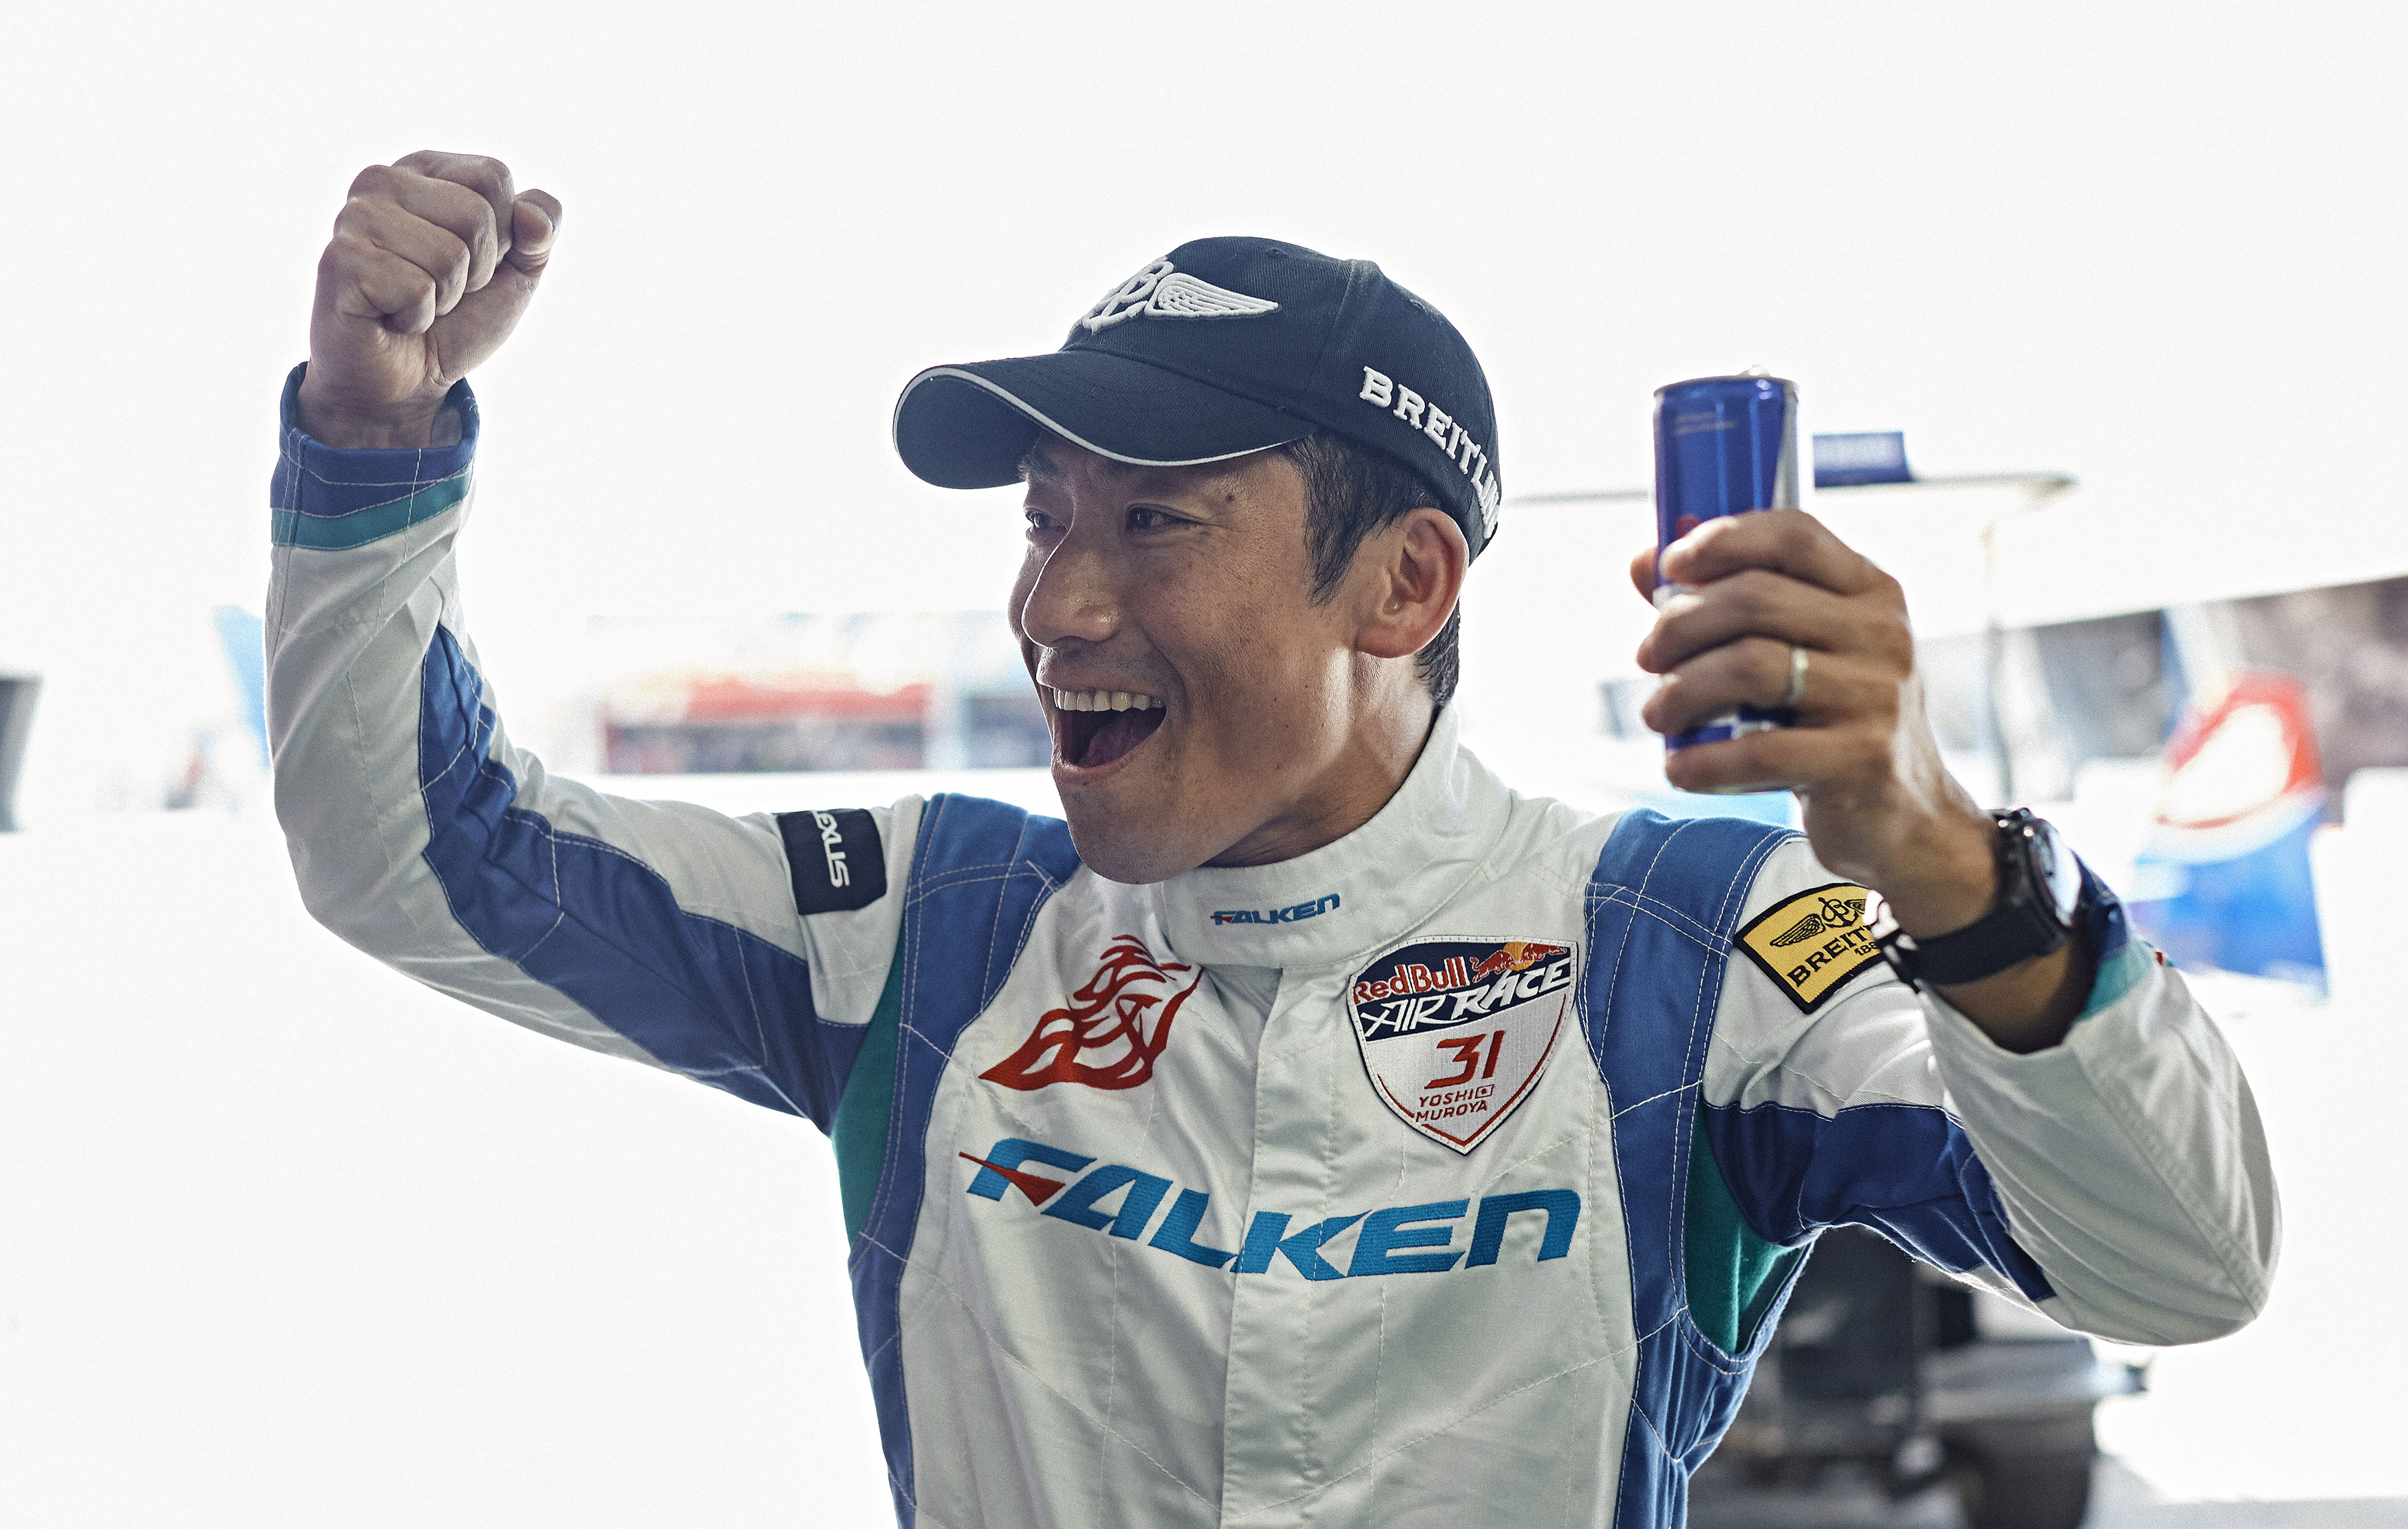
(1190, 588)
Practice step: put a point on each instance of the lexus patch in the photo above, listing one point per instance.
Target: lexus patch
(1810, 945)
(836, 859)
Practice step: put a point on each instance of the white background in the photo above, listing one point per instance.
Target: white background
(2153, 244)
(283, 1240)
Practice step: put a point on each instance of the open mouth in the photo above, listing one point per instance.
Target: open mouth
(1100, 726)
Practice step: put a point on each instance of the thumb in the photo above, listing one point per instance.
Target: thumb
(535, 224)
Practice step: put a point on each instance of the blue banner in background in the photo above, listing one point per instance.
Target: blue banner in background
(1869, 456)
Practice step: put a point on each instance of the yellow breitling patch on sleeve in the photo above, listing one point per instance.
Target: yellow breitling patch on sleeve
(1812, 944)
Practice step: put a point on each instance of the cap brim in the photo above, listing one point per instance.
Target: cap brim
(968, 426)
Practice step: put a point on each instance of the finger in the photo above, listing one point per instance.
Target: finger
(442, 255)
(1744, 763)
(1760, 603)
(461, 211)
(1840, 761)
(1642, 573)
(1757, 672)
(489, 178)
(534, 223)
(366, 281)
(1787, 542)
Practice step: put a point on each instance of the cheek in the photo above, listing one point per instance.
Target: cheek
(1247, 647)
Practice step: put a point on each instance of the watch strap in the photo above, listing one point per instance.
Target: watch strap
(2021, 924)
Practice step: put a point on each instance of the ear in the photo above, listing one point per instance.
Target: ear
(1408, 575)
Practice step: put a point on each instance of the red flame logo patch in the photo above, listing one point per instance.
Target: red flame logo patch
(1112, 1014)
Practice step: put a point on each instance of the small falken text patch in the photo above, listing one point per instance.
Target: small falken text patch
(1453, 1032)
(1326, 903)
(1810, 945)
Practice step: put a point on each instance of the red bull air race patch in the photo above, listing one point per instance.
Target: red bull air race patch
(1455, 1033)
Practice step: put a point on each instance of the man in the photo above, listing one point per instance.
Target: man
(1311, 1130)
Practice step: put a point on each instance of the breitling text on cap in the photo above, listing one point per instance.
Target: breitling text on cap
(1469, 457)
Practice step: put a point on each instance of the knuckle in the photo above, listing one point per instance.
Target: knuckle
(1752, 592)
(467, 214)
(1734, 665)
(1768, 662)
(485, 175)
(368, 183)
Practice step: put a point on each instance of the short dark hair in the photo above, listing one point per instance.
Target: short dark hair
(1349, 491)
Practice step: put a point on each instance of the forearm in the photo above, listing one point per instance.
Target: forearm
(1947, 878)
(2129, 1158)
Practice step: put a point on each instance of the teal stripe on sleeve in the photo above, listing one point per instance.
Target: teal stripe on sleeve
(1732, 1274)
(868, 1105)
(358, 527)
(2118, 975)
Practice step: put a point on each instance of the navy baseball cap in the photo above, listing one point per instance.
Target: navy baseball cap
(1221, 347)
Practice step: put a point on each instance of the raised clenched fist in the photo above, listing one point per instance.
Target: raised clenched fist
(434, 258)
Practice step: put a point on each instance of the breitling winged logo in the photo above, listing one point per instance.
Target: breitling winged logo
(1162, 292)
(1834, 913)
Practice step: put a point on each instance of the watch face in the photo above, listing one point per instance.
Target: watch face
(2056, 870)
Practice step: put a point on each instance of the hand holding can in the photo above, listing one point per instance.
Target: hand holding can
(1723, 446)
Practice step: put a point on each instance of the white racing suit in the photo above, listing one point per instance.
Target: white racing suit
(1450, 1174)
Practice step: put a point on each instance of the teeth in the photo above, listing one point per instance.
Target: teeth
(1101, 700)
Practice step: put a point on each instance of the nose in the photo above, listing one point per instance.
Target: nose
(1070, 596)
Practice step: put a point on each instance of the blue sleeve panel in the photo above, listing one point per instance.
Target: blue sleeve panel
(1908, 1171)
(702, 997)
(1662, 905)
(981, 873)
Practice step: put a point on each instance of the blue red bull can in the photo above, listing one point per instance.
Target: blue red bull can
(1723, 446)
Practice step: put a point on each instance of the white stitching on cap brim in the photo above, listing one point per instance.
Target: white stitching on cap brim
(895, 431)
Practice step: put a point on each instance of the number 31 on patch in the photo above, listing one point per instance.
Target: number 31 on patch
(1455, 1033)
(1810, 945)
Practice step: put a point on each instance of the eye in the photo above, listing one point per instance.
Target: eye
(1038, 521)
(1147, 518)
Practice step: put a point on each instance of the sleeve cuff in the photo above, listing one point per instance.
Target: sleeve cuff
(329, 500)
(2123, 960)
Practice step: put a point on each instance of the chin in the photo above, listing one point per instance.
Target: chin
(1127, 842)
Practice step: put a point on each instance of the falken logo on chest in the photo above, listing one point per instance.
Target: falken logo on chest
(1109, 1033)
(1453, 1032)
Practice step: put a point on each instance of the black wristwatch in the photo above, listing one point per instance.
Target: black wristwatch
(2040, 892)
